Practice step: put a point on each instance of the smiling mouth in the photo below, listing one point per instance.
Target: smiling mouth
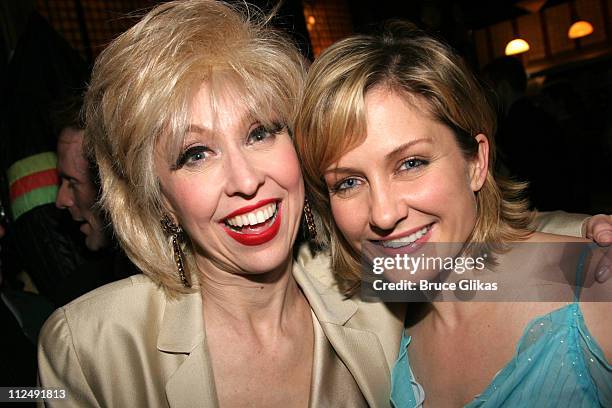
(257, 226)
(405, 241)
(254, 220)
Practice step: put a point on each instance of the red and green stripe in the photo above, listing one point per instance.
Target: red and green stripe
(33, 182)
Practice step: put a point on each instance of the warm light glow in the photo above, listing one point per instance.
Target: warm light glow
(311, 20)
(532, 6)
(580, 29)
(517, 46)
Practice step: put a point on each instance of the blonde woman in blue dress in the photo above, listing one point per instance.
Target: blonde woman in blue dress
(396, 142)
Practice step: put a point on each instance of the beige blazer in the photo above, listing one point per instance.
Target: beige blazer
(127, 345)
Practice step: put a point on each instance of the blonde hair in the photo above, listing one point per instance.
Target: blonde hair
(141, 90)
(404, 59)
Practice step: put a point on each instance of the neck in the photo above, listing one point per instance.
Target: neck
(451, 315)
(259, 303)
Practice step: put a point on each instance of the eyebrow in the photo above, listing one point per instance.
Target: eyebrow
(193, 128)
(65, 176)
(401, 148)
(389, 156)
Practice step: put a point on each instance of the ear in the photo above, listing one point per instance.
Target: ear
(479, 165)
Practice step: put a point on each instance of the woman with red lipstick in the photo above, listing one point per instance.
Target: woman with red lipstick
(396, 140)
(188, 115)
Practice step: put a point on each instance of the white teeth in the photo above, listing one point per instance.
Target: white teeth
(254, 217)
(260, 217)
(400, 242)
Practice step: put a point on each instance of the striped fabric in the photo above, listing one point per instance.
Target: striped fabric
(33, 182)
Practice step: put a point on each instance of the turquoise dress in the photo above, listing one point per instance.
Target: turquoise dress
(557, 364)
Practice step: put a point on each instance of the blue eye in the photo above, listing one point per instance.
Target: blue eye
(197, 156)
(192, 155)
(261, 133)
(346, 184)
(412, 163)
(258, 134)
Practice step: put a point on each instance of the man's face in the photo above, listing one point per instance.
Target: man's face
(77, 193)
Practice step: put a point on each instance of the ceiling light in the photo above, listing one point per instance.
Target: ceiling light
(517, 46)
(580, 29)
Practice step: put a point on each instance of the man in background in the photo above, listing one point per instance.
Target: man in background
(79, 185)
(79, 191)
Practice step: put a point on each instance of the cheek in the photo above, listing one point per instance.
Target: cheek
(453, 197)
(351, 218)
(85, 197)
(284, 167)
(444, 192)
(193, 202)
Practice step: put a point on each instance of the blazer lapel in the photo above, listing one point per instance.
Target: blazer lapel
(182, 332)
(351, 326)
(192, 385)
(362, 353)
(358, 346)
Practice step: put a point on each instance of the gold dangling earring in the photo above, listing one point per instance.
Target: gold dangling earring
(310, 224)
(176, 232)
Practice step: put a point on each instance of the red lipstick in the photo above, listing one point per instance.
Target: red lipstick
(249, 208)
(266, 232)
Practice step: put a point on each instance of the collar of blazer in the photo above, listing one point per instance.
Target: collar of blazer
(345, 322)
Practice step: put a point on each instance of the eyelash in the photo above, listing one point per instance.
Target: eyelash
(416, 163)
(338, 189)
(187, 155)
(261, 130)
(257, 135)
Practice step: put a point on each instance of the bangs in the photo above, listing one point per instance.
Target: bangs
(346, 122)
(258, 103)
(337, 124)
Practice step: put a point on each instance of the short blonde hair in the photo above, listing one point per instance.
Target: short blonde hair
(402, 58)
(141, 90)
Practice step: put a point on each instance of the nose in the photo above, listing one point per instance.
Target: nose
(64, 197)
(244, 175)
(386, 208)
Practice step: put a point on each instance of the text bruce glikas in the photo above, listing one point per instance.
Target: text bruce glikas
(412, 264)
